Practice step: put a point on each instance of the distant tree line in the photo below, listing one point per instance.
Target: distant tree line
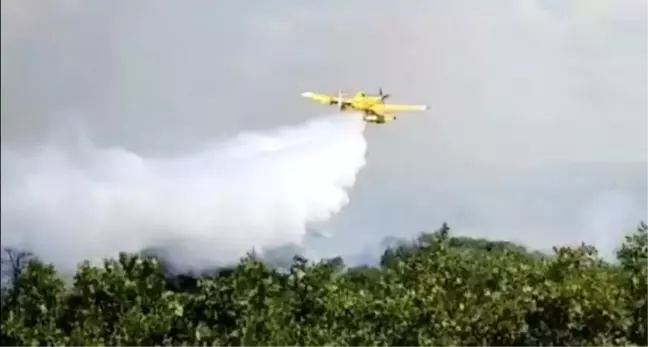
(439, 290)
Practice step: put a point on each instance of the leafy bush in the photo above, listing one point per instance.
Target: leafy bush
(441, 290)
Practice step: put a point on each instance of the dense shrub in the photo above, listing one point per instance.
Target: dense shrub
(441, 290)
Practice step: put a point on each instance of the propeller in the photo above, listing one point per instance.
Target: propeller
(340, 100)
(382, 96)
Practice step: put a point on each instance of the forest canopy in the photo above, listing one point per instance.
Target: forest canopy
(439, 290)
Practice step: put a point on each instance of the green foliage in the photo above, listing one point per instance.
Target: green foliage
(633, 258)
(440, 290)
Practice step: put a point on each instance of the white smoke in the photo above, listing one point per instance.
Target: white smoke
(538, 106)
(257, 190)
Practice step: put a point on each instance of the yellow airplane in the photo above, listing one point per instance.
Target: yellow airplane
(373, 106)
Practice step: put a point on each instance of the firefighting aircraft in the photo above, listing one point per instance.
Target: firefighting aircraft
(373, 106)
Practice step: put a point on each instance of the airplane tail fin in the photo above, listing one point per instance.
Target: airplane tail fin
(382, 96)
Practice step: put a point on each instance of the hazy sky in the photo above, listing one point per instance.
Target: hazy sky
(537, 127)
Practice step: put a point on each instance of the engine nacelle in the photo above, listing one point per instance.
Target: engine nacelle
(373, 118)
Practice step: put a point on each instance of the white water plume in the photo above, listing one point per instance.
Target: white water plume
(254, 191)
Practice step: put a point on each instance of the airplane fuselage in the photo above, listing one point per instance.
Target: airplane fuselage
(365, 103)
(360, 102)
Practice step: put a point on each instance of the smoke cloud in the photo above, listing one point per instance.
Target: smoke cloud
(258, 190)
(536, 133)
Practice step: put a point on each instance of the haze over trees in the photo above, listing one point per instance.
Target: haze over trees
(439, 290)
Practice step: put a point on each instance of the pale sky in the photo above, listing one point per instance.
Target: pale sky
(537, 127)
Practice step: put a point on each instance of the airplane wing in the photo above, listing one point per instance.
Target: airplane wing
(390, 108)
(322, 98)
